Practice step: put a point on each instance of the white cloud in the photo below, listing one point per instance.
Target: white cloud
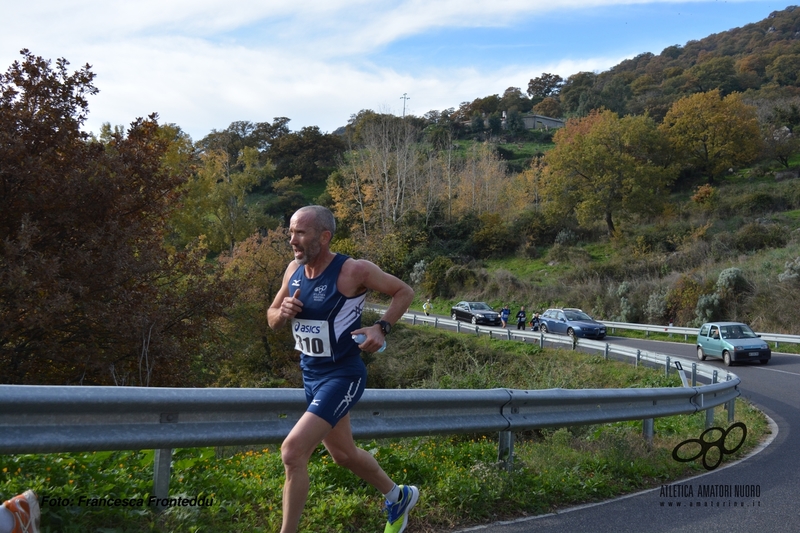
(204, 63)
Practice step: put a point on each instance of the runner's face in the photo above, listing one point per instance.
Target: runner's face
(304, 238)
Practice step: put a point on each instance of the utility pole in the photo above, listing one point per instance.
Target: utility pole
(404, 98)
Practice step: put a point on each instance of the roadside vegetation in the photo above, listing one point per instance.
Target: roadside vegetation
(461, 481)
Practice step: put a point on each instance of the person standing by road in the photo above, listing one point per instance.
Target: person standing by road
(521, 318)
(505, 312)
(322, 296)
(427, 307)
(535, 322)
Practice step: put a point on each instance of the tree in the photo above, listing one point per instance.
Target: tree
(784, 70)
(782, 131)
(576, 91)
(260, 356)
(243, 134)
(546, 85)
(549, 107)
(514, 99)
(713, 134)
(88, 292)
(602, 166)
(308, 153)
(714, 73)
(214, 204)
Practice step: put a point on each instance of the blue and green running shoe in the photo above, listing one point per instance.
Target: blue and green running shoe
(398, 511)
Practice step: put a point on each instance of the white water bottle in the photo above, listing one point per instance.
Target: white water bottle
(361, 338)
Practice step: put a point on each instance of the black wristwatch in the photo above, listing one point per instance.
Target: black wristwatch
(385, 326)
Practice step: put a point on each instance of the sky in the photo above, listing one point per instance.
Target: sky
(202, 64)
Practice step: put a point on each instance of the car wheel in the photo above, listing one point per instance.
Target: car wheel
(601, 337)
(726, 357)
(453, 316)
(474, 320)
(700, 354)
(543, 328)
(570, 332)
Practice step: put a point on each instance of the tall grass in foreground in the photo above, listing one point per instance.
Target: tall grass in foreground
(459, 477)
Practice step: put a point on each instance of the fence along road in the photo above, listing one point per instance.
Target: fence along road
(44, 419)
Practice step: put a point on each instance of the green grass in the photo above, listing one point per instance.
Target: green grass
(461, 481)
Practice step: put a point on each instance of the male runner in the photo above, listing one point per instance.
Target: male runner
(323, 295)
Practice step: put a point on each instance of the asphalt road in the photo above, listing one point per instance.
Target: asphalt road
(770, 476)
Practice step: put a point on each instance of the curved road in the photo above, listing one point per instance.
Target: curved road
(772, 473)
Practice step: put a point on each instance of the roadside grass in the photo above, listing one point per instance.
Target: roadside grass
(461, 481)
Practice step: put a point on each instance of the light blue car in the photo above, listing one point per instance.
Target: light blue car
(733, 342)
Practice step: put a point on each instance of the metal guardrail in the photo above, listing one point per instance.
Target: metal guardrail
(43, 419)
(777, 338)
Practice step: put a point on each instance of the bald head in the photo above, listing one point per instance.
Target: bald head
(322, 217)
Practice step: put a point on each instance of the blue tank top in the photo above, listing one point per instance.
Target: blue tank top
(322, 329)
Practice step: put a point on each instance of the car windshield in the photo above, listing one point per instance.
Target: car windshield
(480, 306)
(737, 331)
(576, 315)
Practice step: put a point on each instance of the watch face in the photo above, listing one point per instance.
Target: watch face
(385, 326)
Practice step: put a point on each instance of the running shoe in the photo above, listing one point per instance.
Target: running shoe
(25, 510)
(398, 511)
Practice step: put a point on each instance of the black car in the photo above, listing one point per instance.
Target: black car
(573, 322)
(475, 312)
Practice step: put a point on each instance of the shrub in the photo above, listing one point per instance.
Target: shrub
(657, 305)
(755, 236)
(755, 203)
(566, 237)
(731, 282)
(682, 300)
(418, 272)
(434, 279)
(708, 308)
(792, 272)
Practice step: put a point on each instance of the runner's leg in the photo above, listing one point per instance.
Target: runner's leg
(296, 450)
(345, 453)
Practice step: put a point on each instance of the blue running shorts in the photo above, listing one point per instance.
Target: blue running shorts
(332, 397)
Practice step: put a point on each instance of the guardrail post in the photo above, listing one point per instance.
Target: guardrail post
(694, 374)
(458, 326)
(666, 367)
(647, 430)
(638, 356)
(162, 466)
(413, 320)
(505, 449)
(709, 417)
(731, 406)
(605, 352)
(714, 377)
(436, 322)
(508, 332)
(477, 331)
(541, 340)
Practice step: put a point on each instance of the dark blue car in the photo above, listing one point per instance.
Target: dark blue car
(572, 322)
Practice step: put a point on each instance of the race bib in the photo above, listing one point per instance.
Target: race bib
(311, 337)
